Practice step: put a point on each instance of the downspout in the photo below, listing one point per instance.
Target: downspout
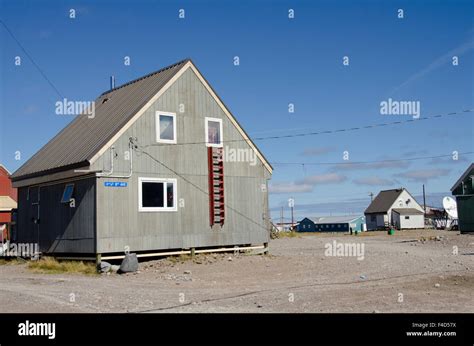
(110, 173)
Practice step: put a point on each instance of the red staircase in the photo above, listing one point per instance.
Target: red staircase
(216, 185)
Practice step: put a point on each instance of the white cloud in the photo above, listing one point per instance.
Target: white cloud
(437, 63)
(329, 178)
(289, 188)
(424, 174)
(373, 181)
(317, 151)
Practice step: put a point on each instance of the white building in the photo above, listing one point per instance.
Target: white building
(397, 208)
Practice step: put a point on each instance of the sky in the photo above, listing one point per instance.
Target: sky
(282, 61)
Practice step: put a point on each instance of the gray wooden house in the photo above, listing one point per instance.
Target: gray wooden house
(463, 189)
(161, 165)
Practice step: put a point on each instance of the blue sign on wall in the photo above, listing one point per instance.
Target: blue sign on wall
(115, 184)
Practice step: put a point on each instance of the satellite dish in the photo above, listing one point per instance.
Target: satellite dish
(450, 206)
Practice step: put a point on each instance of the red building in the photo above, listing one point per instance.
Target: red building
(8, 196)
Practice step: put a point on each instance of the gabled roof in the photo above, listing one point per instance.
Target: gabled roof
(81, 142)
(407, 211)
(383, 201)
(469, 171)
(5, 169)
(7, 203)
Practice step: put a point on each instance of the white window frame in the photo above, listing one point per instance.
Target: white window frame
(141, 180)
(157, 127)
(207, 119)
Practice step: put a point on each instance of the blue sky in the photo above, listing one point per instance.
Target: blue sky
(282, 61)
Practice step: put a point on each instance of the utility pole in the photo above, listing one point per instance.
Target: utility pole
(424, 200)
(291, 204)
(281, 219)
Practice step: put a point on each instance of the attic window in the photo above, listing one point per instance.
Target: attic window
(165, 127)
(213, 132)
(67, 193)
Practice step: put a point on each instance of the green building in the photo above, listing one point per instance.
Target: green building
(464, 192)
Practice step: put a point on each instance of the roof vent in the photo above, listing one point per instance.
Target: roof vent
(112, 82)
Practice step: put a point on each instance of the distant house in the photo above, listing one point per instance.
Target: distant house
(8, 205)
(8, 196)
(147, 173)
(285, 226)
(397, 208)
(332, 224)
(463, 189)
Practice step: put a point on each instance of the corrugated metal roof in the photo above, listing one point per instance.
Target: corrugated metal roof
(80, 140)
(383, 201)
(407, 211)
(334, 219)
(469, 171)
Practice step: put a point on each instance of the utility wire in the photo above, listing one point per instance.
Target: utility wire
(370, 162)
(196, 186)
(31, 59)
(411, 120)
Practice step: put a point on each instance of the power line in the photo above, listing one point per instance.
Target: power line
(197, 187)
(411, 120)
(31, 59)
(369, 162)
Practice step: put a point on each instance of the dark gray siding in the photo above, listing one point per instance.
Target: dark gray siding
(120, 223)
(61, 229)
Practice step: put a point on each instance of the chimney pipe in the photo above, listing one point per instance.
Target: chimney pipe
(112, 82)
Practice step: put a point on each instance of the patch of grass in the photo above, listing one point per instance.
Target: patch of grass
(292, 234)
(49, 265)
(13, 261)
(180, 259)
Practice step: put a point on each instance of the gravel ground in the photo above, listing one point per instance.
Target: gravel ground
(411, 271)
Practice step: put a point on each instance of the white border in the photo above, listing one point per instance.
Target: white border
(207, 119)
(158, 180)
(157, 127)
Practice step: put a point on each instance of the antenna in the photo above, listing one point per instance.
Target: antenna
(451, 207)
(371, 197)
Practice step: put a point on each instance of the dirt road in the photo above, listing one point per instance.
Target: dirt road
(398, 273)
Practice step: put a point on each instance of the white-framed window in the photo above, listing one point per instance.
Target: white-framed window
(157, 194)
(165, 127)
(214, 132)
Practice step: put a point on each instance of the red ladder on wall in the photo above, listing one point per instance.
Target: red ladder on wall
(216, 186)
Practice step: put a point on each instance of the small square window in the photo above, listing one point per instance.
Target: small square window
(67, 193)
(213, 132)
(165, 127)
(407, 218)
(156, 194)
